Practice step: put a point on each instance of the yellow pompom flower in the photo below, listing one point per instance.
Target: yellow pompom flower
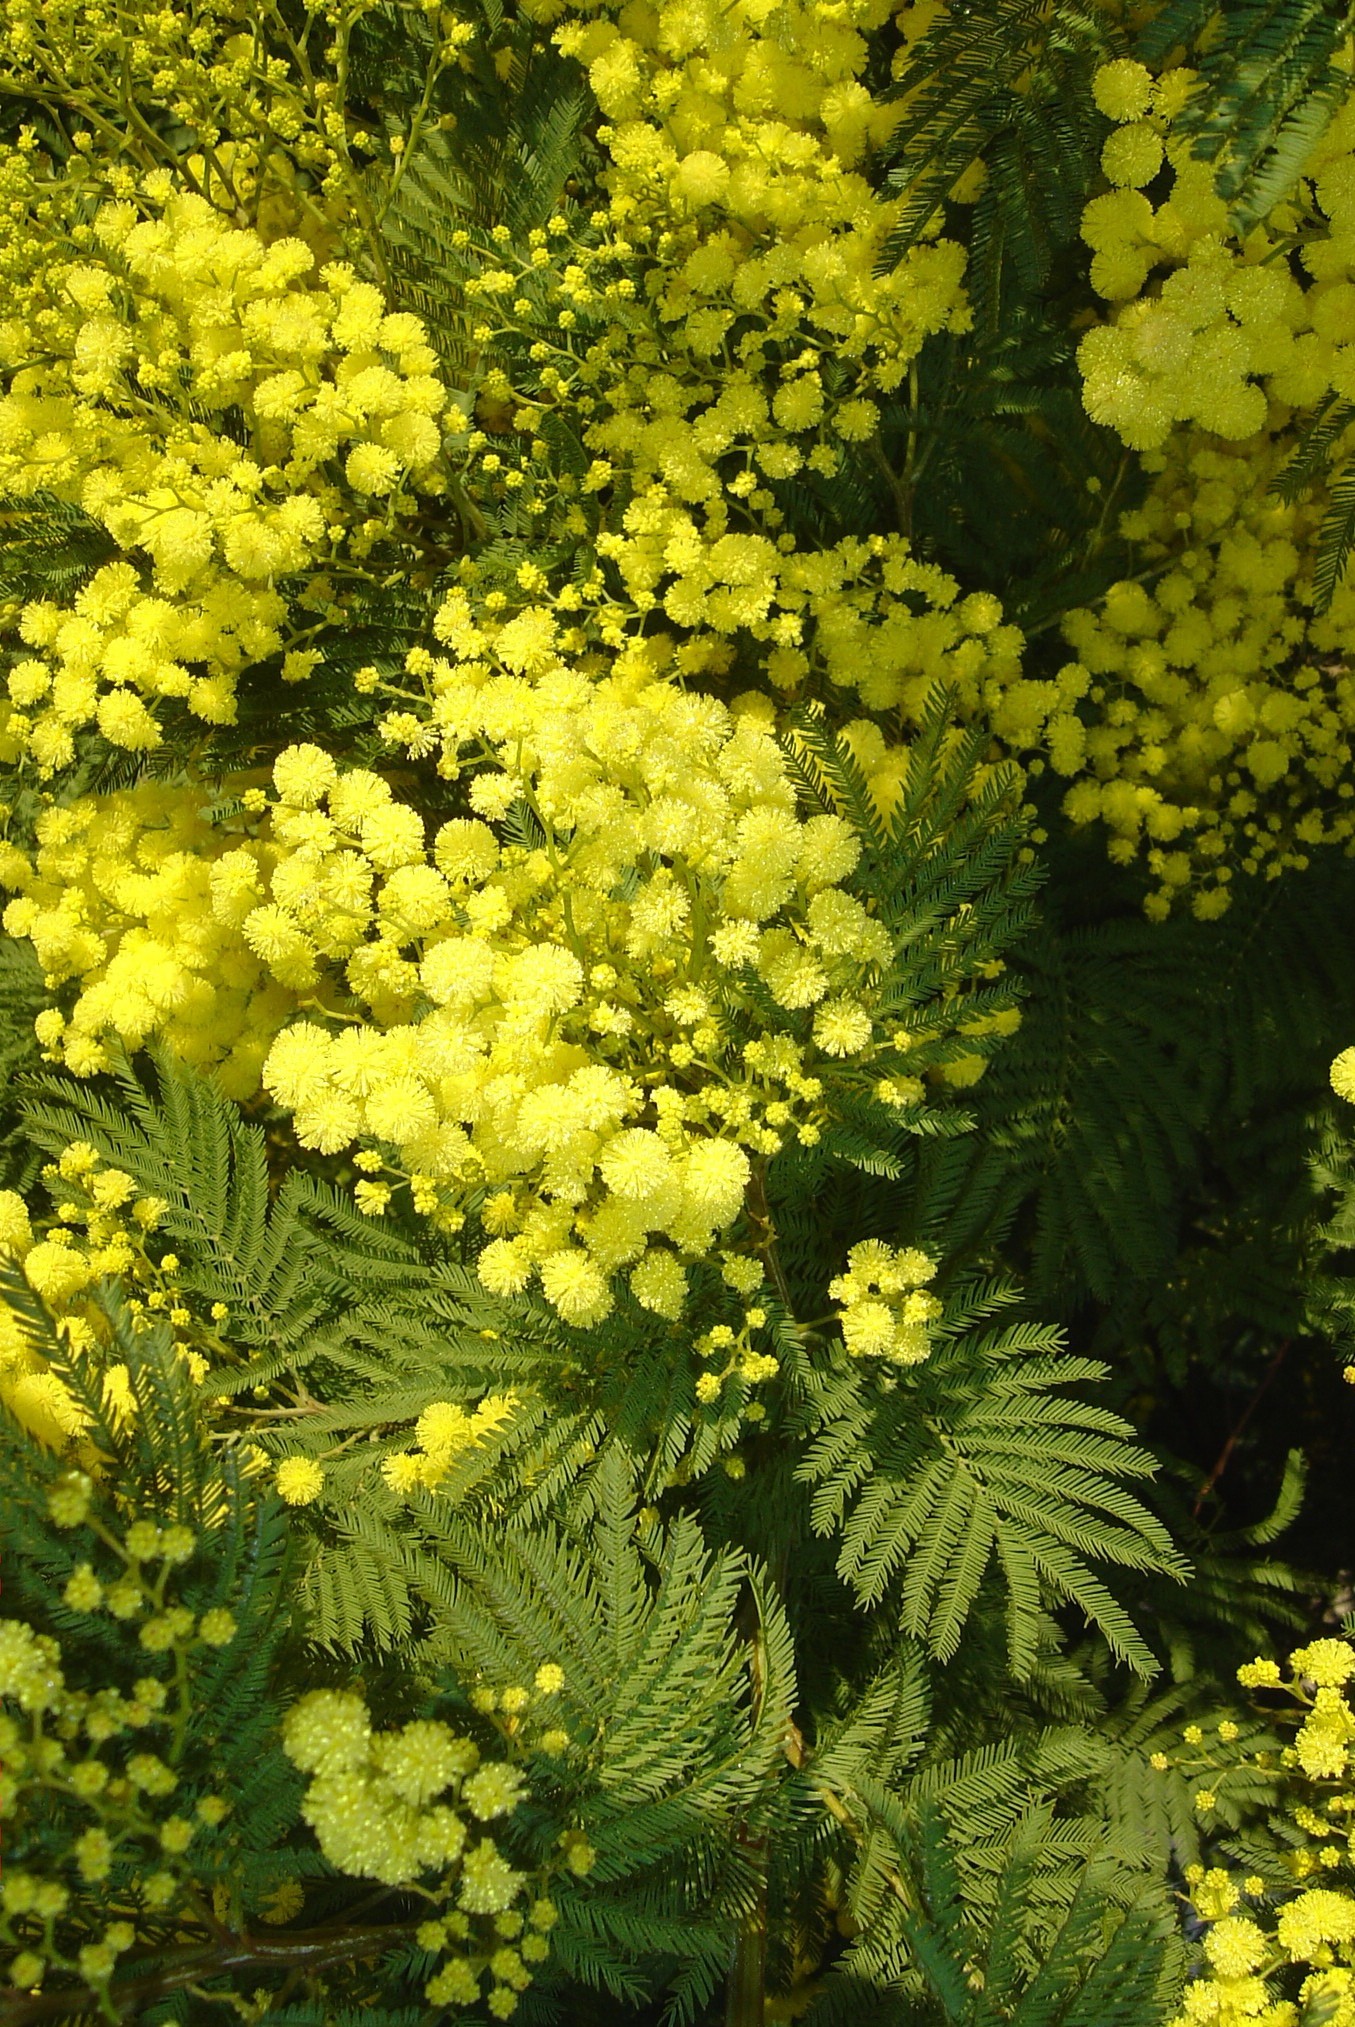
(300, 1480)
(1122, 89)
(1132, 155)
(1329, 1663)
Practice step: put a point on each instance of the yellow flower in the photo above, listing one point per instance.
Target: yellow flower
(300, 1480)
(1329, 1663)
(1122, 89)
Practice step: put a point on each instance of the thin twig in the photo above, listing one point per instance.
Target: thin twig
(308, 1950)
(1221, 1463)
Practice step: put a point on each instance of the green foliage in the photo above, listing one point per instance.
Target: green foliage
(1266, 90)
(48, 548)
(988, 1903)
(1336, 538)
(496, 146)
(1097, 1108)
(215, 1723)
(21, 1000)
(1040, 143)
(1101, 1959)
(297, 1269)
(972, 1457)
(676, 1724)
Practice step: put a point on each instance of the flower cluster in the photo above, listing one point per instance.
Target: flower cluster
(123, 893)
(119, 387)
(1260, 1928)
(29, 1389)
(1213, 735)
(269, 141)
(1343, 1075)
(588, 1067)
(738, 145)
(594, 1075)
(718, 329)
(530, 1720)
(129, 1812)
(734, 1354)
(1229, 340)
(886, 1310)
(1216, 732)
(378, 1803)
(677, 512)
(1216, 726)
(443, 1432)
(863, 616)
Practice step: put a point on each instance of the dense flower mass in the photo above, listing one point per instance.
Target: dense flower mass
(1215, 734)
(409, 1805)
(102, 1229)
(120, 387)
(631, 967)
(120, 894)
(721, 331)
(1220, 709)
(539, 555)
(1229, 339)
(595, 1075)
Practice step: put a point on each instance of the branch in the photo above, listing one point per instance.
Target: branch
(307, 1950)
(1221, 1463)
(760, 1216)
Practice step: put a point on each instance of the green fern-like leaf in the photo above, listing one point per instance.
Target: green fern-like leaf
(1267, 87)
(974, 1456)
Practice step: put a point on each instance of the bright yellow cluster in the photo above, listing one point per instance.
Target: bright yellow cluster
(594, 1020)
(1312, 1929)
(118, 392)
(616, 983)
(379, 1806)
(743, 134)
(443, 1432)
(886, 1311)
(29, 1389)
(718, 335)
(841, 618)
(1215, 734)
(737, 1355)
(1229, 340)
(1217, 728)
(590, 1008)
(269, 142)
(135, 896)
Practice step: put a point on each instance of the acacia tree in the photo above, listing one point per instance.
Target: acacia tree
(600, 1160)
